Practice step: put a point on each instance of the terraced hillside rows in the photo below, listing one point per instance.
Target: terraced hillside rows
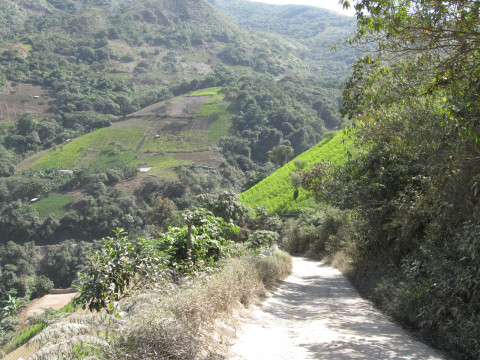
(178, 131)
(276, 192)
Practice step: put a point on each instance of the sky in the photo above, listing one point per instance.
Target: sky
(326, 4)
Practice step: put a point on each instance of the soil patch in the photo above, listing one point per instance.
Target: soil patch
(54, 301)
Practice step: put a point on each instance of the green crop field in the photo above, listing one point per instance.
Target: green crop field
(94, 148)
(160, 162)
(131, 142)
(189, 140)
(216, 107)
(219, 127)
(207, 91)
(276, 191)
(56, 205)
(25, 47)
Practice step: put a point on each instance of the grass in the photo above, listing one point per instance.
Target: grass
(160, 162)
(185, 141)
(276, 191)
(219, 127)
(25, 47)
(186, 320)
(95, 147)
(194, 57)
(175, 321)
(25, 335)
(113, 157)
(207, 91)
(56, 205)
(216, 107)
(120, 144)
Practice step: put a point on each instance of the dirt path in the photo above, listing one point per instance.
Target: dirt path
(54, 301)
(317, 314)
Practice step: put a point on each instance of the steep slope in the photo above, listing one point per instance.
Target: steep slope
(86, 86)
(297, 21)
(276, 192)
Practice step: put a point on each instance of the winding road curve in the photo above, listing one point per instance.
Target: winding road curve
(317, 314)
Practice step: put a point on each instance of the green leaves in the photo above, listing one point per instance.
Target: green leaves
(125, 264)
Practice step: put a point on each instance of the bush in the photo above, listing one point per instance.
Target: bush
(262, 238)
(42, 285)
(184, 321)
(313, 234)
(171, 321)
(124, 264)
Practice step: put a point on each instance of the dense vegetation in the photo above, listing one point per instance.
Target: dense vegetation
(186, 277)
(405, 220)
(91, 92)
(398, 187)
(69, 69)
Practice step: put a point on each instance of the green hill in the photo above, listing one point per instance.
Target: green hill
(276, 191)
(164, 135)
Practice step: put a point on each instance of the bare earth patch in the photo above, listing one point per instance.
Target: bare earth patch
(317, 314)
(201, 67)
(54, 301)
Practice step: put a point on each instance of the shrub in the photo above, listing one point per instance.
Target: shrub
(262, 238)
(184, 323)
(124, 264)
(41, 286)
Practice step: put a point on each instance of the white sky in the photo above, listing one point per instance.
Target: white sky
(326, 4)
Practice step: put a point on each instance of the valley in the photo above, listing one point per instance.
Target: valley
(168, 157)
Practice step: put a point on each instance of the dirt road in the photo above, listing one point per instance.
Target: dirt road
(54, 301)
(317, 314)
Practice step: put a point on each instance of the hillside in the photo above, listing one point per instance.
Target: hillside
(318, 29)
(276, 192)
(103, 90)
(129, 114)
(177, 131)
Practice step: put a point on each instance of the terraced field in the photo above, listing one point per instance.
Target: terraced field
(276, 191)
(179, 131)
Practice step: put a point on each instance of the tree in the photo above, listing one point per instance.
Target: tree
(161, 209)
(447, 30)
(280, 154)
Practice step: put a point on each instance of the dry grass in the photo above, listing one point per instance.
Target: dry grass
(189, 321)
(186, 322)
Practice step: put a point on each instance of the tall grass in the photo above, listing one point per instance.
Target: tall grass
(185, 325)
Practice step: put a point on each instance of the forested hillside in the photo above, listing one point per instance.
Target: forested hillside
(69, 69)
(138, 115)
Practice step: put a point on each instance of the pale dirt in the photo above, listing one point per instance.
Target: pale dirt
(54, 301)
(317, 314)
